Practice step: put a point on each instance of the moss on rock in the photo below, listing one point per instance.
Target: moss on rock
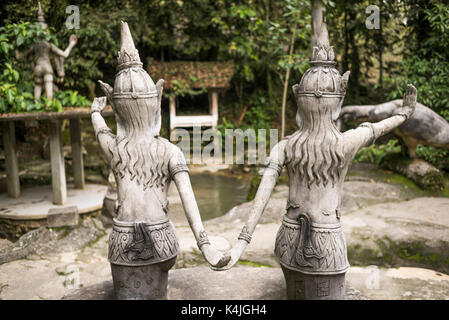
(389, 253)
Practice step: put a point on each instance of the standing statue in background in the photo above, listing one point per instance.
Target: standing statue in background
(143, 245)
(310, 244)
(43, 52)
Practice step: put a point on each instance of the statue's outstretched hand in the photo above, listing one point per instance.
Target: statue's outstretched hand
(73, 39)
(409, 102)
(215, 258)
(98, 105)
(234, 254)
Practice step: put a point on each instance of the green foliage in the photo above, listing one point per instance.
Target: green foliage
(426, 62)
(13, 93)
(435, 156)
(256, 34)
(182, 89)
(225, 124)
(375, 153)
(253, 187)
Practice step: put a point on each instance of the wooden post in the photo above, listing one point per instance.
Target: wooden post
(12, 168)
(77, 153)
(213, 105)
(57, 163)
(209, 98)
(172, 103)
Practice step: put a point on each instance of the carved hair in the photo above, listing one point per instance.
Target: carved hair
(139, 152)
(316, 150)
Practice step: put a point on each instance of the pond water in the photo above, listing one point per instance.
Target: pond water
(217, 194)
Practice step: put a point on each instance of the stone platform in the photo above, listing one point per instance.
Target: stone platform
(35, 202)
(201, 283)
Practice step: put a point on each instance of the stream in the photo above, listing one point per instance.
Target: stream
(217, 194)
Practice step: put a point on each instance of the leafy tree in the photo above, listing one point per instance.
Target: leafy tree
(410, 46)
(426, 55)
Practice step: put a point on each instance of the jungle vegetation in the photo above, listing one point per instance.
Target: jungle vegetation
(263, 38)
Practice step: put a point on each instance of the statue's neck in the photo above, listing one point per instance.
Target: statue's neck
(319, 125)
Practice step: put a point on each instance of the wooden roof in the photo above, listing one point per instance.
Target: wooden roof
(192, 74)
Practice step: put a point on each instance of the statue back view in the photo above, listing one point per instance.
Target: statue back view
(143, 245)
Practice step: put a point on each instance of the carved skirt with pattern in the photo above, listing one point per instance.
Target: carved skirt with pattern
(142, 243)
(311, 248)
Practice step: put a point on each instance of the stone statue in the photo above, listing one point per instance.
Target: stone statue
(424, 127)
(43, 52)
(310, 244)
(143, 245)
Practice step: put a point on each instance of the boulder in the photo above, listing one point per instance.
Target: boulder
(201, 283)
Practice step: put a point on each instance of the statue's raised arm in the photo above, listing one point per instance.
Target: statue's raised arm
(367, 132)
(103, 133)
(72, 41)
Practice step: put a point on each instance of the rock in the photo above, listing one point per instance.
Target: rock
(5, 246)
(201, 283)
(421, 172)
(51, 276)
(54, 240)
(355, 195)
(360, 194)
(379, 228)
(412, 233)
(399, 283)
(100, 291)
(61, 216)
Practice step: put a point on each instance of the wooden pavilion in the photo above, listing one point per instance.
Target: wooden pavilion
(214, 77)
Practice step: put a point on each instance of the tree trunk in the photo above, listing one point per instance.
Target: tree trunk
(381, 66)
(317, 20)
(287, 76)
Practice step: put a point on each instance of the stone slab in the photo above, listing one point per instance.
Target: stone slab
(412, 233)
(201, 283)
(61, 216)
(53, 255)
(381, 227)
(36, 201)
(402, 283)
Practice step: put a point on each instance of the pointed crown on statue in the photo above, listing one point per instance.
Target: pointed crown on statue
(322, 79)
(131, 81)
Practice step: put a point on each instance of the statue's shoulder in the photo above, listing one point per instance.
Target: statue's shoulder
(280, 146)
(354, 139)
(172, 150)
(175, 158)
(277, 155)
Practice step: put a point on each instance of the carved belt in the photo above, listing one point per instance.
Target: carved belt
(142, 243)
(310, 247)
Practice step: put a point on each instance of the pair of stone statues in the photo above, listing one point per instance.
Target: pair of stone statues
(310, 245)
